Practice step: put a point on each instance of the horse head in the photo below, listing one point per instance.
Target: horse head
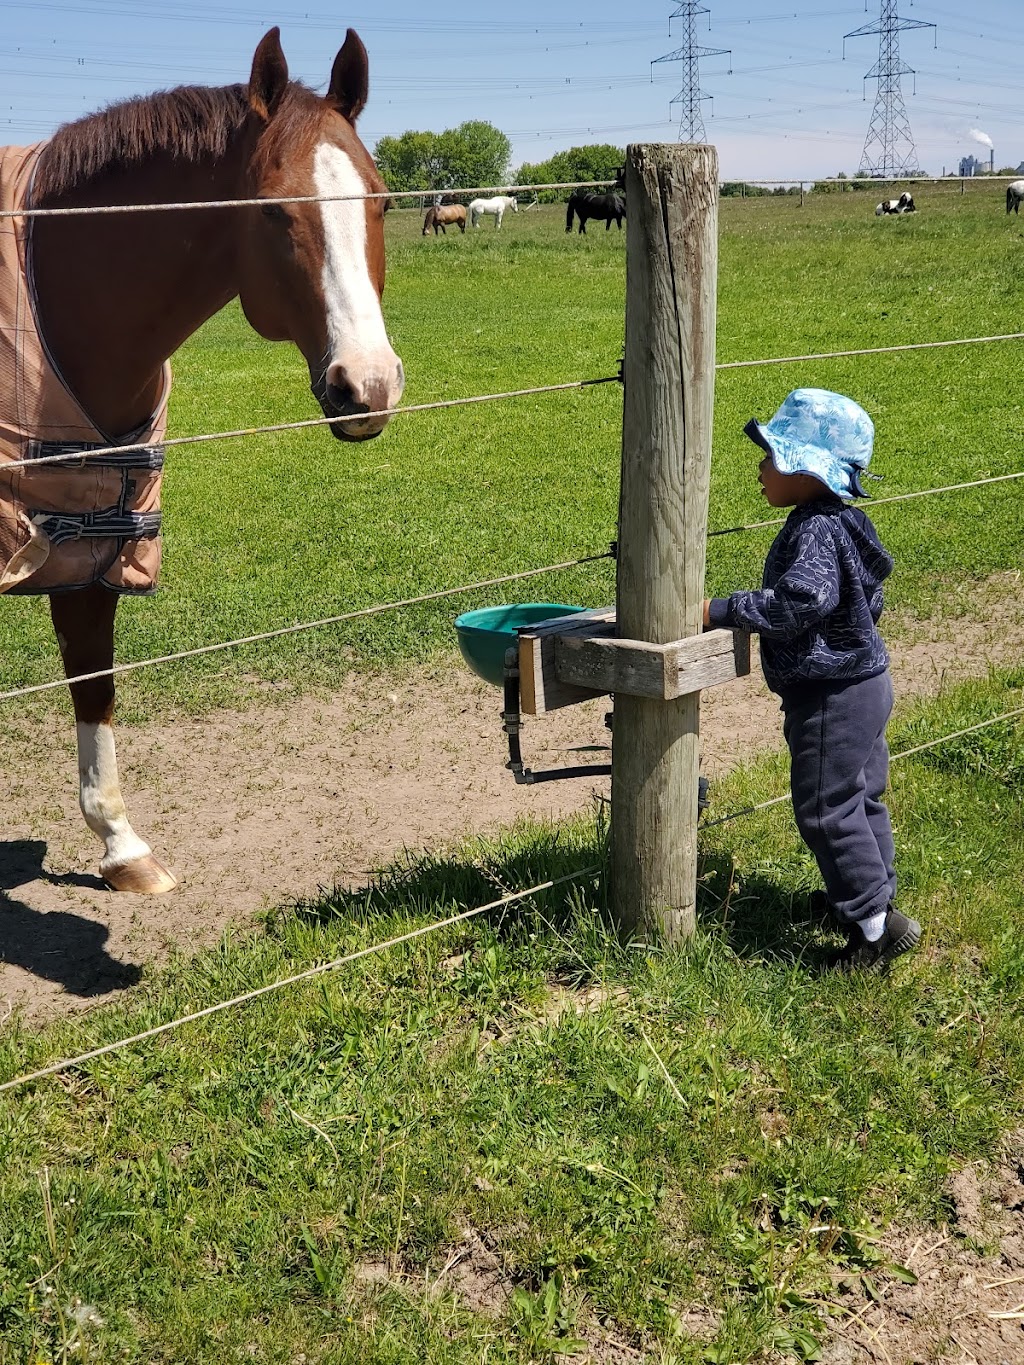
(313, 273)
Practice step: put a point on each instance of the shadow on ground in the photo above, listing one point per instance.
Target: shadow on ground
(57, 946)
(758, 919)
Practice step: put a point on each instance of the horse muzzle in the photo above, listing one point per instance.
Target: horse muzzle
(339, 395)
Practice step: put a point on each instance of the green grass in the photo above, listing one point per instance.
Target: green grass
(213, 1194)
(276, 529)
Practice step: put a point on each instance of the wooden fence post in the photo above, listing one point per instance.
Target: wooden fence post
(668, 376)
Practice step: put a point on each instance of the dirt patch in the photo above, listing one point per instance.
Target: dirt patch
(602, 1347)
(560, 1000)
(251, 808)
(967, 1306)
(475, 1273)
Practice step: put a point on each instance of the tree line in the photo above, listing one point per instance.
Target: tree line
(478, 154)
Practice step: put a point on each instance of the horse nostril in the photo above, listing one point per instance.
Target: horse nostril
(339, 397)
(340, 391)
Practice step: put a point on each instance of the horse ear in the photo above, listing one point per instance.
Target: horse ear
(269, 78)
(350, 78)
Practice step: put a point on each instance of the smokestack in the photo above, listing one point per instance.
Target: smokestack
(992, 161)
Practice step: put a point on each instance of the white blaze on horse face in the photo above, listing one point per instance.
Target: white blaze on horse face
(100, 797)
(358, 347)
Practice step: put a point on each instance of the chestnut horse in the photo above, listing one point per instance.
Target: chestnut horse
(439, 215)
(116, 294)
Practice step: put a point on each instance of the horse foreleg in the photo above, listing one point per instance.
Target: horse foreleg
(84, 622)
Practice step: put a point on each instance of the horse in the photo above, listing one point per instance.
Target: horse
(1014, 194)
(114, 295)
(439, 216)
(904, 204)
(498, 205)
(586, 204)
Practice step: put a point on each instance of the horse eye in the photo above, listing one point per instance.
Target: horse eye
(275, 212)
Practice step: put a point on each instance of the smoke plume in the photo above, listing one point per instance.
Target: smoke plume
(981, 137)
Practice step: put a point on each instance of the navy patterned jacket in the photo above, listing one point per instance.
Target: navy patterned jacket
(820, 600)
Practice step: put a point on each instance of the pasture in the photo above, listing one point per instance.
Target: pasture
(517, 1141)
(270, 530)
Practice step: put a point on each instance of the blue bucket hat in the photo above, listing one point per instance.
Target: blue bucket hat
(821, 433)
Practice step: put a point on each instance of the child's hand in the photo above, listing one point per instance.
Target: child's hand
(707, 614)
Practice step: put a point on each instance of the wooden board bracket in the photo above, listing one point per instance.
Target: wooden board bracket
(574, 658)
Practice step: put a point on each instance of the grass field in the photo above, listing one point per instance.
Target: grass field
(276, 529)
(646, 1141)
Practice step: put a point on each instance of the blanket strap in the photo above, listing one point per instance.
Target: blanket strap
(150, 457)
(62, 526)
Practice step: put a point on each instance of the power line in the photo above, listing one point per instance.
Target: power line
(212, 14)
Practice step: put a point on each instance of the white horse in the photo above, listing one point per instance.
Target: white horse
(497, 206)
(904, 204)
(1014, 194)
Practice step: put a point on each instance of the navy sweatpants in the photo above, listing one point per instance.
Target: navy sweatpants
(839, 770)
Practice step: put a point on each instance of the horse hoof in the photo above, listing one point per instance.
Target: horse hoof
(145, 876)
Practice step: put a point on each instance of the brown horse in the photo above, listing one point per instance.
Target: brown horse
(115, 295)
(437, 217)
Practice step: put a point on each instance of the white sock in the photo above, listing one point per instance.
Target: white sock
(873, 926)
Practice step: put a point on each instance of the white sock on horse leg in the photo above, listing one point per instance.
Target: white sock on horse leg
(99, 794)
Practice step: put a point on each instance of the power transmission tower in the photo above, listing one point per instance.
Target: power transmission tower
(691, 121)
(889, 146)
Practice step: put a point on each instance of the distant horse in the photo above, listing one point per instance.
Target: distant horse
(1014, 194)
(904, 204)
(497, 206)
(587, 204)
(437, 217)
(114, 295)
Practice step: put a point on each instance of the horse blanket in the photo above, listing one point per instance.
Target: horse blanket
(85, 520)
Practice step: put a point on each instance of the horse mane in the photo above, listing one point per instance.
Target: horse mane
(192, 122)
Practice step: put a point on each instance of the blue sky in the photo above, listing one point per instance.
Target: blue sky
(550, 75)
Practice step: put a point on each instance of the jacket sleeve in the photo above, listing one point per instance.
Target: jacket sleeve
(807, 592)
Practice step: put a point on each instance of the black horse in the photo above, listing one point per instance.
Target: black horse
(586, 204)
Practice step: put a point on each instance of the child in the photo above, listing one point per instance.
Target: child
(817, 615)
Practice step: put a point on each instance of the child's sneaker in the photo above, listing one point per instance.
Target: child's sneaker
(900, 935)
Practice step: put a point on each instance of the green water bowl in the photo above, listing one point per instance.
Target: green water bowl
(486, 634)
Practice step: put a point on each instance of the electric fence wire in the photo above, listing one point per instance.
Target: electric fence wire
(281, 631)
(895, 758)
(68, 1062)
(82, 457)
